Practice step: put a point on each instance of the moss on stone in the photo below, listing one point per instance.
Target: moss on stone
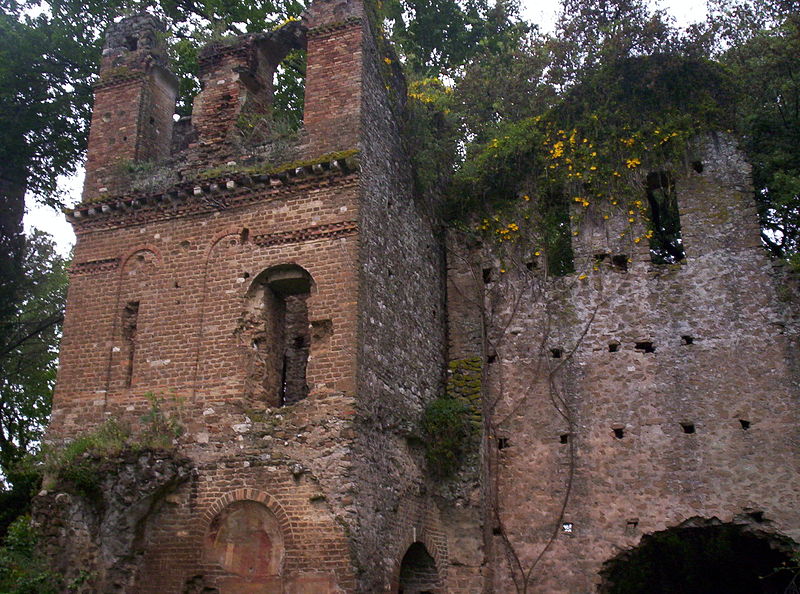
(267, 169)
(452, 422)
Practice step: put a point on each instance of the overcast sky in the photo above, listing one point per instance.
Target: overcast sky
(541, 12)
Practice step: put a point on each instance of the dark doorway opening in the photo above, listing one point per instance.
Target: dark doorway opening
(418, 573)
(702, 557)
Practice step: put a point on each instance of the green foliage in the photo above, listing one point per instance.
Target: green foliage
(447, 427)
(44, 101)
(159, 429)
(764, 62)
(23, 568)
(436, 38)
(451, 423)
(80, 466)
(29, 337)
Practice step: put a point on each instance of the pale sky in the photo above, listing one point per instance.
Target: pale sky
(542, 12)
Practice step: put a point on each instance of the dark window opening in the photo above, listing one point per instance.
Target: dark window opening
(502, 443)
(557, 234)
(620, 262)
(688, 427)
(491, 359)
(613, 347)
(296, 347)
(564, 438)
(757, 516)
(666, 245)
(130, 321)
(531, 265)
(645, 347)
(131, 43)
(244, 236)
(697, 166)
(497, 531)
(619, 432)
(556, 353)
(487, 275)
(745, 424)
(686, 339)
(281, 340)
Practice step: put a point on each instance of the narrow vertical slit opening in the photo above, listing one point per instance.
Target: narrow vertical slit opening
(130, 322)
(666, 244)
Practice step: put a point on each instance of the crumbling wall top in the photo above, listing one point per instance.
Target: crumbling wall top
(330, 12)
(142, 35)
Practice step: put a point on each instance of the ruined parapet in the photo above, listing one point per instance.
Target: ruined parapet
(334, 75)
(236, 76)
(133, 107)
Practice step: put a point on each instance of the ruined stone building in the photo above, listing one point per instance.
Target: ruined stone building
(295, 308)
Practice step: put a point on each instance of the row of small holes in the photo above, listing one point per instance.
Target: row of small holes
(619, 433)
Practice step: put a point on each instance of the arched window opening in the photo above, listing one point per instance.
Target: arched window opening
(281, 338)
(701, 556)
(418, 573)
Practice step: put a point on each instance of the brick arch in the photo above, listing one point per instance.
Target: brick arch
(218, 237)
(248, 494)
(434, 541)
(142, 248)
(259, 277)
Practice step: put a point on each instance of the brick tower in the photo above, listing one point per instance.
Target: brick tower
(262, 299)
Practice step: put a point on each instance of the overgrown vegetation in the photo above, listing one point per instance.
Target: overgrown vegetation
(78, 466)
(451, 424)
(23, 568)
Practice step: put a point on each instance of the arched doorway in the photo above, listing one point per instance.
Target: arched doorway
(702, 557)
(418, 573)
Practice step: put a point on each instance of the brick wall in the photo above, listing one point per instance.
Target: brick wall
(133, 106)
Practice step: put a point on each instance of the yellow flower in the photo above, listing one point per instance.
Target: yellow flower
(387, 60)
(632, 163)
(581, 277)
(630, 220)
(637, 240)
(537, 254)
(605, 217)
(526, 197)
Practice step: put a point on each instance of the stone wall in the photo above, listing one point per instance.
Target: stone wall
(634, 397)
(401, 345)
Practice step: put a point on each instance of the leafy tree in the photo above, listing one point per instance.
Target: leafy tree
(28, 358)
(760, 40)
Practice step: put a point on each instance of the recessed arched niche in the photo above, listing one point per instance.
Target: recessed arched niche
(277, 329)
(245, 539)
